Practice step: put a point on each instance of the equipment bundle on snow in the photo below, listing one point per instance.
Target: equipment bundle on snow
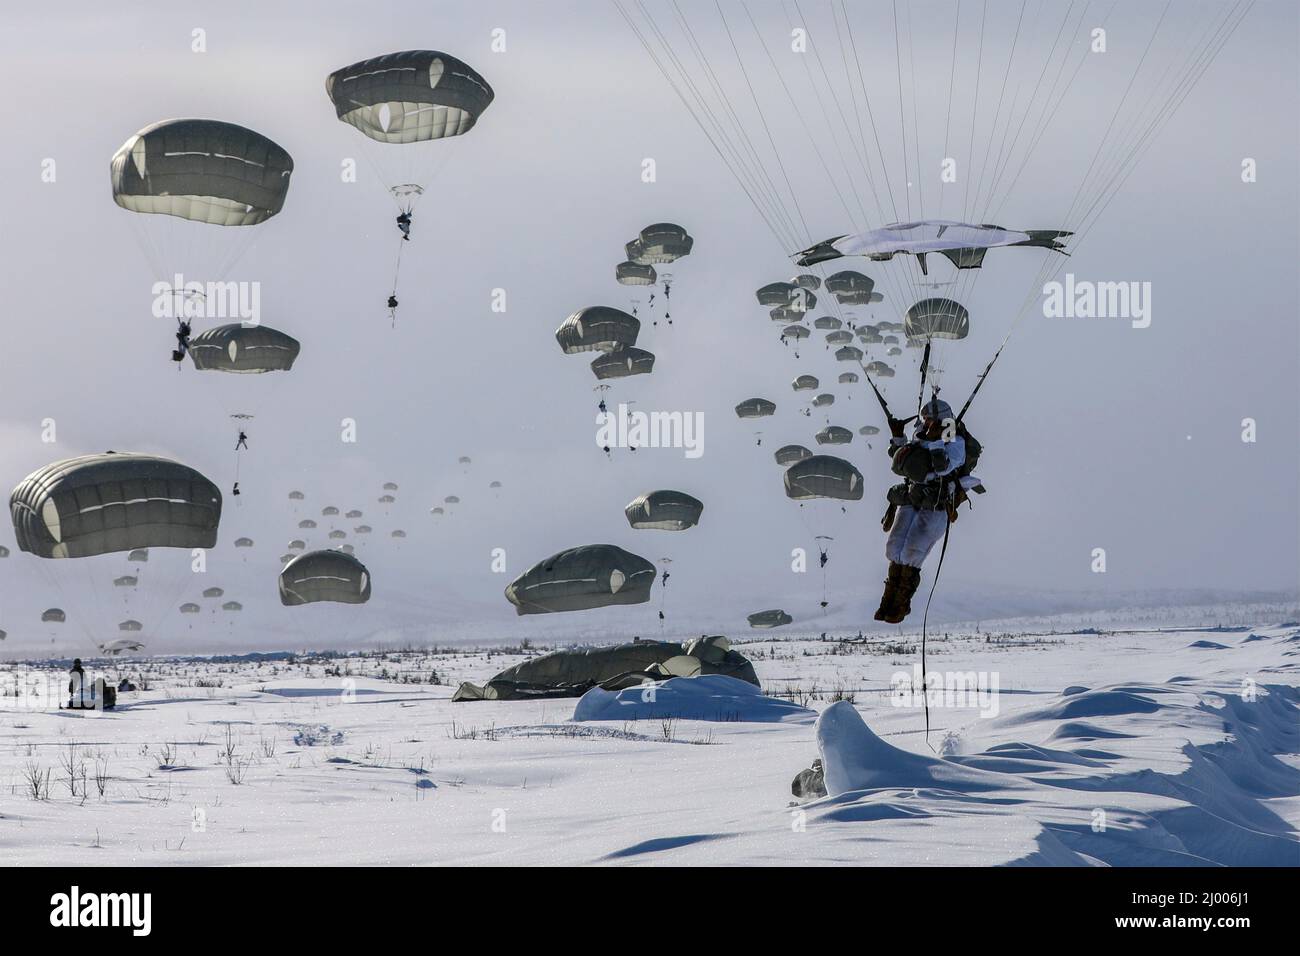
(809, 784)
(572, 673)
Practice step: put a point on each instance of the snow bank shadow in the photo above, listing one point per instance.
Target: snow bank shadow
(660, 844)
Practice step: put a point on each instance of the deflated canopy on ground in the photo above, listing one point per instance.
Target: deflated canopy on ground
(571, 673)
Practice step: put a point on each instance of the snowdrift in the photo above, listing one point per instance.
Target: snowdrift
(1094, 789)
(707, 697)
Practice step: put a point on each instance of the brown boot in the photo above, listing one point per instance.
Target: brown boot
(890, 597)
(909, 580)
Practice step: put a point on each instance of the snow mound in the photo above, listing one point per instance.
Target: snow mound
(1208, 646)
(706, 697)
(1215, 797)
(853, 758)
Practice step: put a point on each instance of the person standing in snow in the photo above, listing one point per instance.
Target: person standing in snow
(934, 464)
(76, 686)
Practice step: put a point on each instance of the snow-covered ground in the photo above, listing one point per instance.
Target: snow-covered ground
(1123, 748)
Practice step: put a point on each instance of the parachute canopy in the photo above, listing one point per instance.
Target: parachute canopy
(805, 383)
(324, 576)
(834, 435)
(203, 171)
(755, 408)
(591, 576)
(635, 273)
(243, 349)
(789, 454)
(99, 504)
(620, 363)
(659, 243)
(776, 293)
(935, 319)
(851, 288)
(409, 97)
(598, 328)
(962, 243)
(773, 618)
(823, 476)
(664, 511)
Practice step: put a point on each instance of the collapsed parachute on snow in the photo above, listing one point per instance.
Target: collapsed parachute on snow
(98, 504)
(579, 579)
(571, 673)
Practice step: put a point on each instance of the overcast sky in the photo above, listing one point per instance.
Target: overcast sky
(1097, 435)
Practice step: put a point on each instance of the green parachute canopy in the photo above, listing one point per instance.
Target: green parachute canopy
(324, 576)
(98, 504)
(202, 170)
(409, 97)
(591, 576)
